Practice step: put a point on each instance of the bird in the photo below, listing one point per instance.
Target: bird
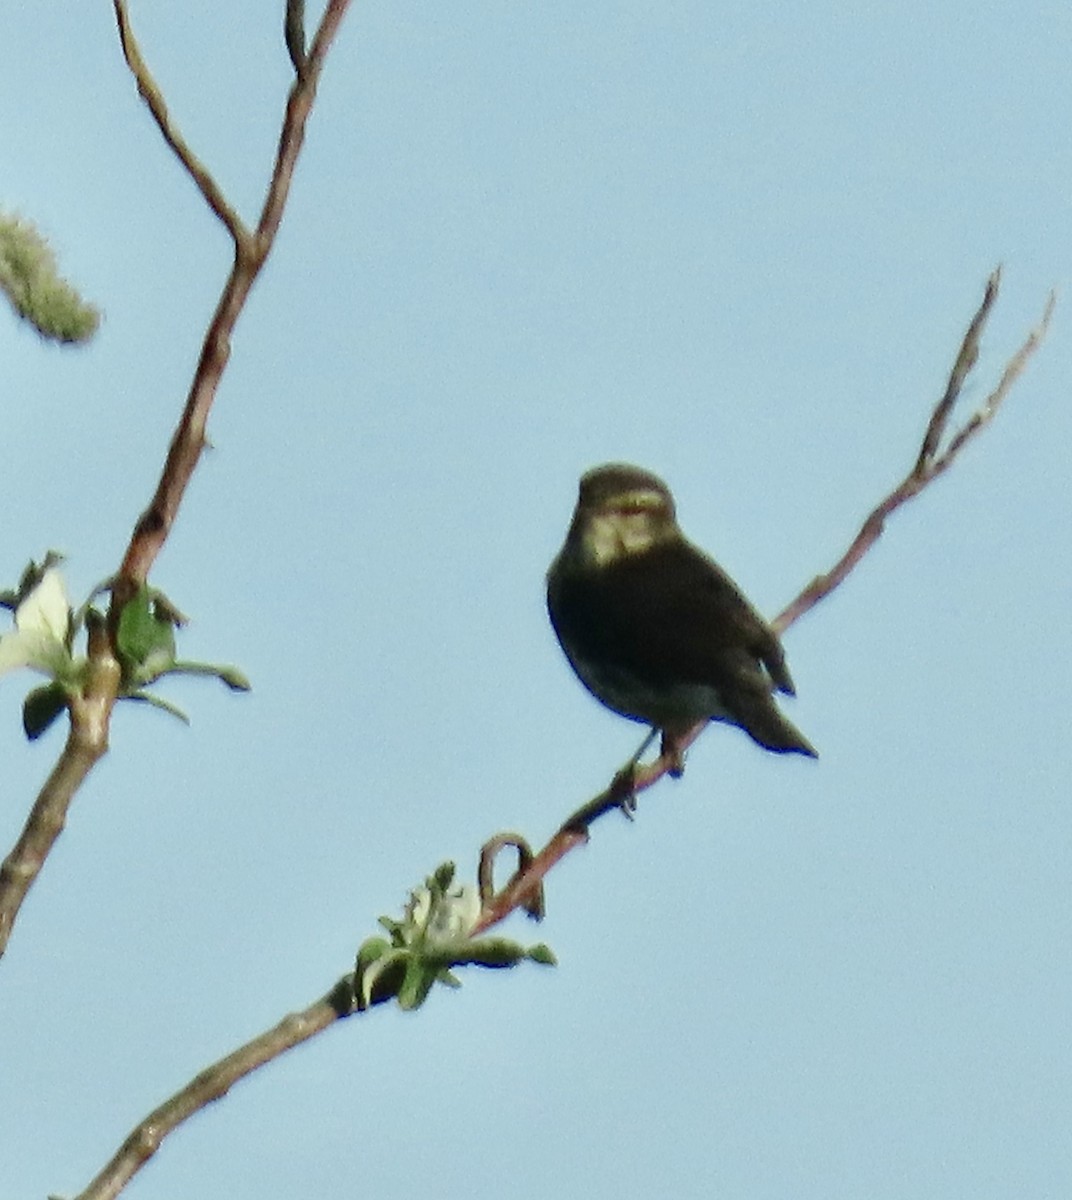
(654, 628)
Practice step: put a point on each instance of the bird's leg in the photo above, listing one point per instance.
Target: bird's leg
(622, 787)
(672, 751)
(649, 738)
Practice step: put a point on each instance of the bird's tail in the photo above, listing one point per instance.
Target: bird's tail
(765, 723)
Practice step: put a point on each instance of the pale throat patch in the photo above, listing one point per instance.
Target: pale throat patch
(630, 529)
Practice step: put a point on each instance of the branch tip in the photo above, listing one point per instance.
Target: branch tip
(636, 776)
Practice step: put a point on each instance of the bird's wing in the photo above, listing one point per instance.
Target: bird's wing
(671, 614)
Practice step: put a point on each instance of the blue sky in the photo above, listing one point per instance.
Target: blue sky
(738, 244)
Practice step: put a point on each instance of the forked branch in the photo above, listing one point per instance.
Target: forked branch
(939, 450)
(153, 97)
(251, 251)
(90, 713)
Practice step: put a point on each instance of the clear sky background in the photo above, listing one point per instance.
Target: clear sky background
(736, 243)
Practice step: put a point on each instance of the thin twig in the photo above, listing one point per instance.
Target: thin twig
(930, 463)
(1013, 370)
(251, 251)
(302, 95)
(151, 94)
(214, 1083)
(962, 367)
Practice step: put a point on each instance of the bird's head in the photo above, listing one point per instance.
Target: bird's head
(621, 510)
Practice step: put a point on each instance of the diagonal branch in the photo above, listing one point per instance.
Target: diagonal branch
(151, 94)
(87, 743)
(966, 359)
(302, 95)
(525, 885)
(213, 1083)
(90, 713)
(932, 460)
(1013, 370)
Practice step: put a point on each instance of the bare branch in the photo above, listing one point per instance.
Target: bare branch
(87, 742)
(150, 93)
(251, 252)
(1013, 370)
(302, 95)
(214, 1083)
(632, 779)
(188, 441)
(930, 463)
(965, 361)
(525, 887)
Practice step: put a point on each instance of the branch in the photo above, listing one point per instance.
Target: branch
(90, 713)
(524, 888)
(214, 1083)
(87, 743)
(151, 94)
(932, 460)
(302, 95)
(251, 252)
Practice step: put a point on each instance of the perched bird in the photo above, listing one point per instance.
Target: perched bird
(653, 627)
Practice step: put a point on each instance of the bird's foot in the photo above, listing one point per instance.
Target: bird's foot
(623, 789)
(673, 754)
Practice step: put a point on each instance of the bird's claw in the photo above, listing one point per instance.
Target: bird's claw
(623, 790)
(672, 753)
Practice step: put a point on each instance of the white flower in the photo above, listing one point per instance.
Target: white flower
(42, 622)
(448, 918)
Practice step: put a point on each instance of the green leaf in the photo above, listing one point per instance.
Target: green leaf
(543, 954)
(234, 679)
(231, 676)
(378, 972)
(158, 702)
(416, 984)
(493, 952)
(371, 950)
(145, 639)
(442, 877)
(41, 707)
(166, 611)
